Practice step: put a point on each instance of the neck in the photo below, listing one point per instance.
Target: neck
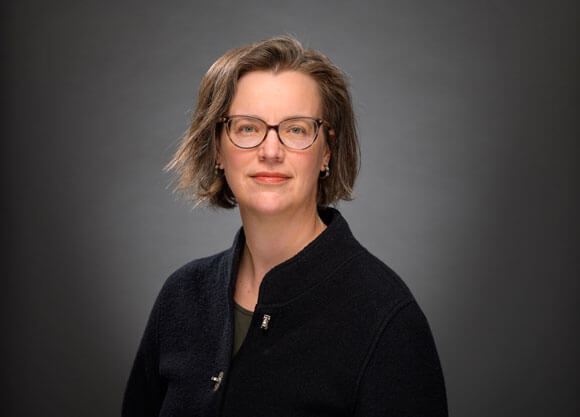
(272, 239)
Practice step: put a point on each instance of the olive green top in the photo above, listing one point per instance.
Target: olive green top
(242, 320)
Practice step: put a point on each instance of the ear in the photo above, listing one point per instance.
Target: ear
(218, 155)
(330, 138)
(218, 160)
(325, 156)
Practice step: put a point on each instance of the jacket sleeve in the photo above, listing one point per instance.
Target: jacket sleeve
(402, 375)
(145, 388)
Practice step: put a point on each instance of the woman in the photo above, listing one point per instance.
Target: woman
(296, 318)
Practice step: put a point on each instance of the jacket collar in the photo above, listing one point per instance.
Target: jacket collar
(288, 280)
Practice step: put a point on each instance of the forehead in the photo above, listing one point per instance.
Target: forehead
(276, 96)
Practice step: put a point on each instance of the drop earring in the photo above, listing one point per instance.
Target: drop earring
(326, 172)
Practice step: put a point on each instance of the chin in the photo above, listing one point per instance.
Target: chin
(266, 204)
(269, 207)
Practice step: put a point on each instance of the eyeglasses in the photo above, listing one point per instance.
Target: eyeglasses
(248, 132)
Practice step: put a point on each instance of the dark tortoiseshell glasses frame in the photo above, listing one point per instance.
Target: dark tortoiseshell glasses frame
(226, 120)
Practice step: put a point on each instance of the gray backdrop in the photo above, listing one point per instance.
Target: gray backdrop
(468, 114)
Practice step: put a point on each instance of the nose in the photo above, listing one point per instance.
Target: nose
(271, 148)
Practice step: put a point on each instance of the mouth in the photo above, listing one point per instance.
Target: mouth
(270, 177)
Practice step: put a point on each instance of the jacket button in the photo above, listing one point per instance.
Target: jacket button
(218, 380)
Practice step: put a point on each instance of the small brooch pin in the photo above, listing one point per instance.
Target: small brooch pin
(265, 322)
(217, 380)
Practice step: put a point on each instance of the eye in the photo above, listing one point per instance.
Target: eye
(296, 130)
(248, 129)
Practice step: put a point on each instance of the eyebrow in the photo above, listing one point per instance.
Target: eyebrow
(281, 120)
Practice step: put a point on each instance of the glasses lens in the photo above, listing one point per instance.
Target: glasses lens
(298, 133)
(246, 132)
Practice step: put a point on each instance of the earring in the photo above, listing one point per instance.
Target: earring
(326, 172)
(216, 169)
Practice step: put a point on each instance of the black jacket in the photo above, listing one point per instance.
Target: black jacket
(335, 333)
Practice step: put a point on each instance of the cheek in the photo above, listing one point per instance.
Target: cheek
(235, 163)
(310, 169)
(228, 155)
(318, 157)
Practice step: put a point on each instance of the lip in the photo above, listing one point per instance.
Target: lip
(270, 177)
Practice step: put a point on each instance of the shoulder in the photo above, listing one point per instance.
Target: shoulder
(195, 276)
(368, 290)
(375, 278)
(355, 267)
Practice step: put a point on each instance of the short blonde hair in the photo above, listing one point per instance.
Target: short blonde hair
(195, 160)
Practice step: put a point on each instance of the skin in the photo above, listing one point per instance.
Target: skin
(275, 186)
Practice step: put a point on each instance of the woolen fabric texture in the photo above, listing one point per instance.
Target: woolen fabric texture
(345, 337)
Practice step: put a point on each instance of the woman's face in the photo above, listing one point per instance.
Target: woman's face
(271, 178)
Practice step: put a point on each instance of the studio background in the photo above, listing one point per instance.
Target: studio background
(468, 117)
